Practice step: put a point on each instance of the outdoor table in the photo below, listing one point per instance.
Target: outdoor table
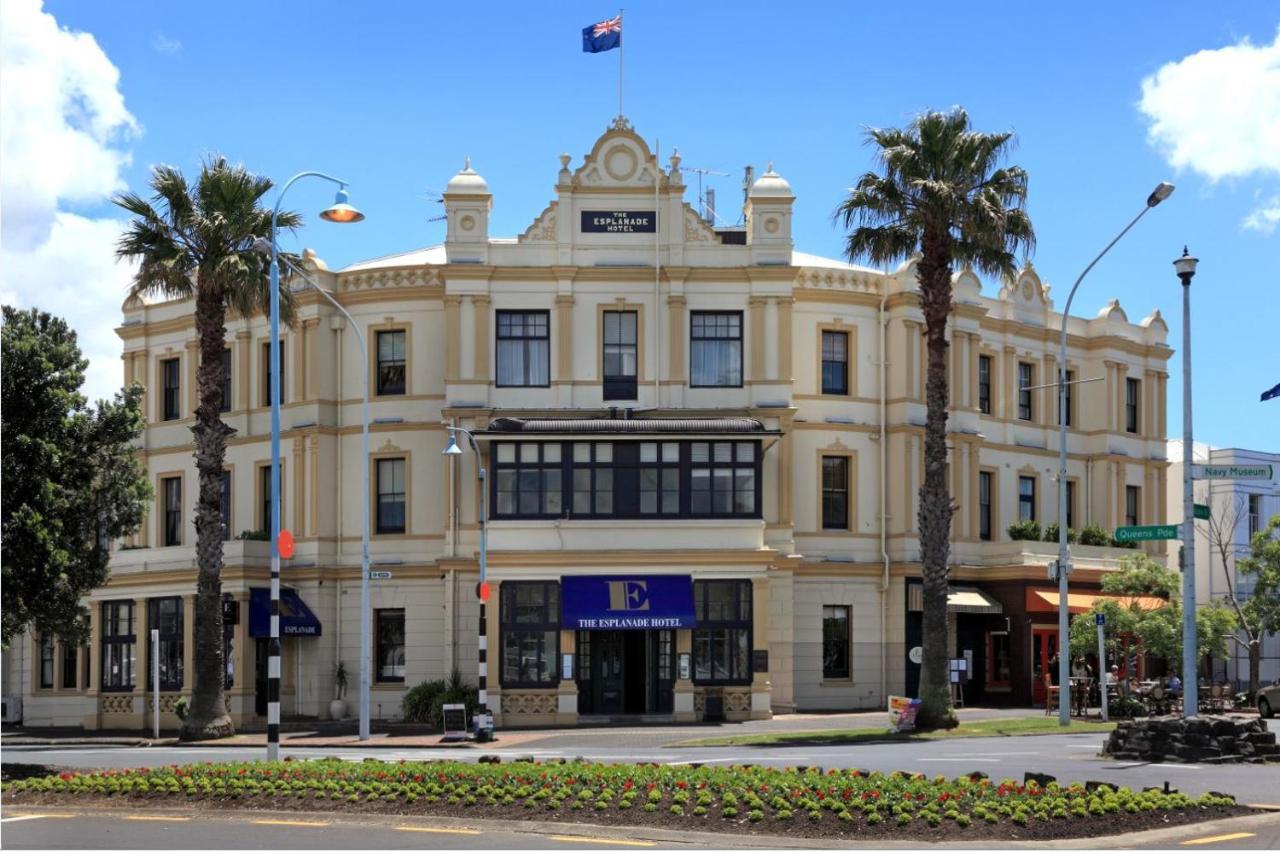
(1080, 693)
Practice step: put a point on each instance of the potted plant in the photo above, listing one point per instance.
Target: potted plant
(338, 707)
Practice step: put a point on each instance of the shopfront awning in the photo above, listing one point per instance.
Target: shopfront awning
(296, 618)
(1044, 600)
(968, 599)
(637, 602)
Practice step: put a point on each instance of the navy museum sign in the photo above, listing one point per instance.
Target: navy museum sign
(639, 602)
(618, 222)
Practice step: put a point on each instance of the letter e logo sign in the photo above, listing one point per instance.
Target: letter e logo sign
(629, 595)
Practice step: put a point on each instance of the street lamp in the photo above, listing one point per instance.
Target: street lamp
(484, 729)
(1160, 193)
(340, 212)
(1186, 269)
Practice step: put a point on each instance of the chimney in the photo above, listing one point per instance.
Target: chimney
(709, 208)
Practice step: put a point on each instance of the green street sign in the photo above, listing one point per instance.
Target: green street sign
(1231, 471)
(1156, 532)
(1201, 511)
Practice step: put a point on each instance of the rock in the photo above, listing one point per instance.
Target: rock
(490, 758)
(1042, 780)
(524, 758)
(1090, 786)
(975, 777)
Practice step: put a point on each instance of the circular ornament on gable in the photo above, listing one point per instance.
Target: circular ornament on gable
(467, 222)
(621, 162)
(771, 224)
(1026, 290)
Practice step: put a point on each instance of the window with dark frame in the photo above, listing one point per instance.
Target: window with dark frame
(226, 505)
(389, 627)
(391, 363)
(529, 634)
(171, 487)
(224, 404)
(984, 505)
(1132, 499)
(660, 478)
(715, 349)
(835, 492)
(47, 647)
(722, 638)
(1132, 391)
(835, 362)
(1025, 374)
(524, 349)
(527, 480)
(1255, 514)
(171, 381)
(1026, 498)
(620, 354)
(723, 478)
(835, 643)
(1071, 504)
(165, 615)
(391, 496)
(118, 646)
(264, 484)
(984, 384)
(266, 374)
(1065, 413)
(70, 672)
(998, 659)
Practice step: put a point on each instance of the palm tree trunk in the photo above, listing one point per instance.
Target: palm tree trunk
(208, 718)
(934, 277)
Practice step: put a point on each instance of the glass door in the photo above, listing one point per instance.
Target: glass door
(1044, 662)
(663, 668)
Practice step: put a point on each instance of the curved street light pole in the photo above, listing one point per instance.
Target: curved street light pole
(1160, 193)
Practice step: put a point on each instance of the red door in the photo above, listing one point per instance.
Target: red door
(1044, 647)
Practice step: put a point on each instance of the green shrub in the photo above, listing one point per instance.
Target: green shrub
(1094, 536)
(1127, 545)
(1051, 533)
(425, 702)
(182, 707)
(1024, 531)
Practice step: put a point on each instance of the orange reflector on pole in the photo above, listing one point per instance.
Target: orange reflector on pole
(482, 591)
(284, 543)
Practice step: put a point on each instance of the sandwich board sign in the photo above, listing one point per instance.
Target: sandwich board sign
(455, 723)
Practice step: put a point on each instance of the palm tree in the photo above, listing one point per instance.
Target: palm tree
(198, 241)
(940, 193)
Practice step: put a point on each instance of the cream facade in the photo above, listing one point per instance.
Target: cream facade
(755, 412)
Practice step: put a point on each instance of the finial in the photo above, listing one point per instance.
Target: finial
(769, 168)
(466, 164)
(564, 160)
(1185, 253)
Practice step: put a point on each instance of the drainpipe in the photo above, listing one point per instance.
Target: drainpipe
(657, 274)
(884, 466)
(337, 639)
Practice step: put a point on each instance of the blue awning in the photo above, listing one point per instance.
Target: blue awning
(637, 602)
(296, 618)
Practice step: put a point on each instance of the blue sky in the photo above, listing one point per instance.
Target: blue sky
(392, 96)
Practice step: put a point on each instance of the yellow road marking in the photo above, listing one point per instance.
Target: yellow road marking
(437, 830)
(159, 818)
(575, 838)
(299, 822)
(1218, 838)
(19, 817)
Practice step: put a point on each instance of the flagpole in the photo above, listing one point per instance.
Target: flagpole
(620, 47)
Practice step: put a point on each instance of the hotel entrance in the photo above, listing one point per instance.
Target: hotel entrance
(625, 672)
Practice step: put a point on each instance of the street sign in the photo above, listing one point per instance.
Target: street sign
(379, 575)
(1231, 471)
(1148, 533)
(1201, 511)
(1100, 619)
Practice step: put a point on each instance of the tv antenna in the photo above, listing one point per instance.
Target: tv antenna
(706, 203)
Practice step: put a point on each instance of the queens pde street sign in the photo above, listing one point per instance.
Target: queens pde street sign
(1231, 471)
(1155, 532)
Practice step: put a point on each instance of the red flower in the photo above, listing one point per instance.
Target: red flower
(683, 785)
(65, 776)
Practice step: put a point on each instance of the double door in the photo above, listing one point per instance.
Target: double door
(625, 672)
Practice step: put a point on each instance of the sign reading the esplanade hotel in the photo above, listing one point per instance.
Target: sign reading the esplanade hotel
(618, 222)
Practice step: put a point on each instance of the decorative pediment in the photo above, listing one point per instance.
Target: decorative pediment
(837, 445)
(543, 228)
(696, 230)
(1026, 297)
(965, 286)
(620, 159)
(389, 447)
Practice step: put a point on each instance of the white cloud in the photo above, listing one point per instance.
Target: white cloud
(1265, 218)
(1217, 112)
(64, 129)
(168, 46)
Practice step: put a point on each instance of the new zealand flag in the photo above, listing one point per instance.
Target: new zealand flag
(603, 36)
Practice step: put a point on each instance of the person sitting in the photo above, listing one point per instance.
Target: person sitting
(1080, 668)
(1113, 676)
(1174, 686)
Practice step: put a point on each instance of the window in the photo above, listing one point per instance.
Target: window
(390, 496)
(524, 349)
(660, 478)
(1132, 495)
(998, 659)
(722, 478)
(715, 349)
(530, 628)
(69, 670)
(225, 403)
(118, 654)
(226, 505)
(1132, 390)
(835, 362)
(171, 380)
(165, 615)
(1066, 411)
(722, 639)
(984, 505)
(1026, 498)
(527, 480)
(984, 384)
(1071, 505)
(266, 374)
(1255, 514)
(391, 363)
(171, 487)
(1025, 372)
(46, 660)
(389, 624)
(835, 643)
(620, 355)
(264, 485)
(835, 492)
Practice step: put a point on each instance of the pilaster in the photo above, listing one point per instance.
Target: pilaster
(755, 311)
(785, 304)
(453, 339)
(483, 344)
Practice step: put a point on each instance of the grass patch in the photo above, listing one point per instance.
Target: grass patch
(853, 736)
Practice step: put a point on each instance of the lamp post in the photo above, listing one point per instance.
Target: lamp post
(1160, 193)
(1186, 269)
(484, 730)
(340, 212)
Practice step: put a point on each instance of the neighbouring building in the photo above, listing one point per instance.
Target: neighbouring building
(704, 449)
(1238, 508)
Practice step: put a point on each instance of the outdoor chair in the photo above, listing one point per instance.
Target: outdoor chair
(1051, 695)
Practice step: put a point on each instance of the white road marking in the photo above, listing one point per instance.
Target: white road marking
(957, 760)
(988, 753)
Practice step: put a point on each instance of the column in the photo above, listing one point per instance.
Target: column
(567, 694)
(954, 385)
(192, 359)
(974, 530)
(761, 690)
(755, 309)
(94, 650)
(313, 457)
(786, 474)
(141, 716)
(564, 338)
(309, 329)
(974, 347)
(1122, 373)
(243, 361)
(493, 621)
(453, 341)
(676, 338)
(1150, 394)
(1049, 410)
(483, 343)
(189, 644)
(683, 691)
(785, 304)
(1110, 395)
(1010, 382)
(242, 690)
(299, 502)
(911, 367)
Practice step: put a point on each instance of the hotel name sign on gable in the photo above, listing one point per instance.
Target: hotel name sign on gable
(618, 221)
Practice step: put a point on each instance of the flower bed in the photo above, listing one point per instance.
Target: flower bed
(806, 801)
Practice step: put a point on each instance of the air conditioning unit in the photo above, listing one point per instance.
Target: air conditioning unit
(12, 708)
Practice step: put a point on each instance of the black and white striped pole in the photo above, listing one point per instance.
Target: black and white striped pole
(483, 721)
